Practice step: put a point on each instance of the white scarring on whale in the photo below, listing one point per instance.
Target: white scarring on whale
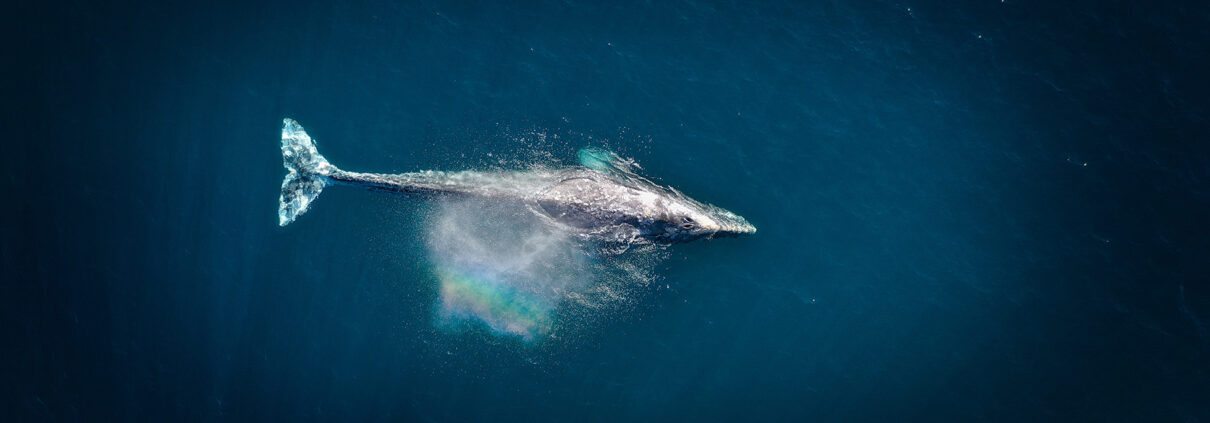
(603, 199)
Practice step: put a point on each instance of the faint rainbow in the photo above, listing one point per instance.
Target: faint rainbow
(491, 300)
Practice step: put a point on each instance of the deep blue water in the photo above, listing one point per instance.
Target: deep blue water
(977, 211)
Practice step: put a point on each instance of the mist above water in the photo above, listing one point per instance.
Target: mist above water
(498, 264)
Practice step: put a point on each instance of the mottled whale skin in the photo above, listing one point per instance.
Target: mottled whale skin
(602, 199)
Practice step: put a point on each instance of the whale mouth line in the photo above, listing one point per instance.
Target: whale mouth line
(733, 232)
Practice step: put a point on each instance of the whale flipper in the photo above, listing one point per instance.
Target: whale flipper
(308, 172)
(602, 160)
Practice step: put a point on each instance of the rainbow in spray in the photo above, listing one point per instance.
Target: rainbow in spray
(492, 300)
(497, 264)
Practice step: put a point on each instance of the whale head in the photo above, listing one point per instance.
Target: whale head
(687, 220)
(656, 211)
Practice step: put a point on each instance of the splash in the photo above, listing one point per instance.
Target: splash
(500, 265)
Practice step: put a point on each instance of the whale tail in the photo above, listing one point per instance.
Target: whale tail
(307, 172)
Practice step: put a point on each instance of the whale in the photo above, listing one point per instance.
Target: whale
(603, 198)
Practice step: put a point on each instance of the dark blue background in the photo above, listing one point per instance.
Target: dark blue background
(931, 245)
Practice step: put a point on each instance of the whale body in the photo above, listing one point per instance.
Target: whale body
(602, 199)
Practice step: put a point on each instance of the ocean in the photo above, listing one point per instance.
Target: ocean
(974, 211)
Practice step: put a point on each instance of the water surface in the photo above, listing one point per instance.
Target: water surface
(980, 211)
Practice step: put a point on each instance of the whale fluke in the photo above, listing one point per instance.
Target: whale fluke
(307, 172)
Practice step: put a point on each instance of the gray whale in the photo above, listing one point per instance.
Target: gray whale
(603, 199)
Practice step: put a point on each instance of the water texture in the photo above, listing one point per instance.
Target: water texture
(973, 211)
